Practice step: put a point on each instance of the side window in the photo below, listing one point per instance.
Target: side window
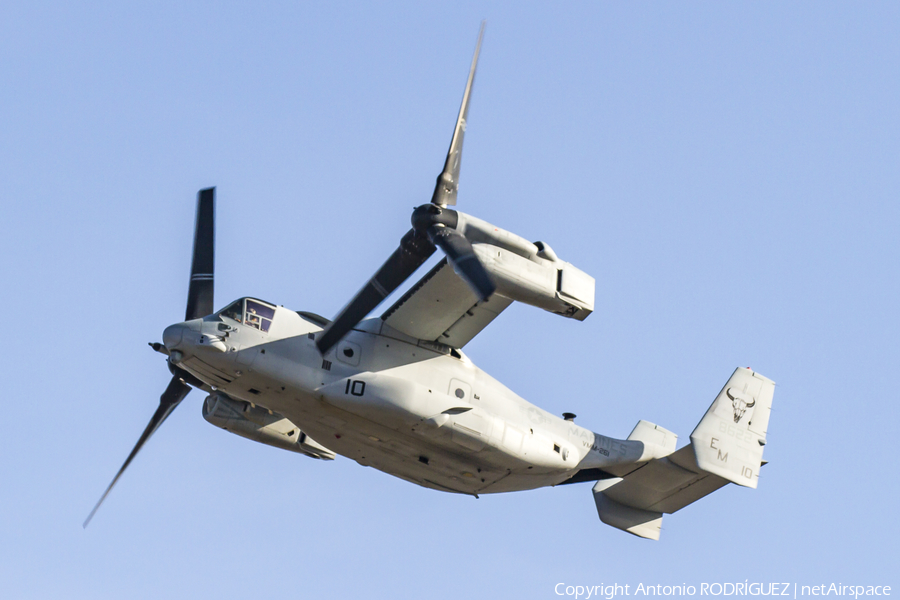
(258, 315)
(349, 353)
(460, 389)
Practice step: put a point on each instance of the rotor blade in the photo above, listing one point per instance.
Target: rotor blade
(200, 290)
(174, 394)
(448, 181)
(413, 251)
(459, 250)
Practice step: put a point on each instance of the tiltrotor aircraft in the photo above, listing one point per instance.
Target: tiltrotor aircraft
(397, 393)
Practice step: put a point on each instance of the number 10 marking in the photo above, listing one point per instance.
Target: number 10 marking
(355, 387)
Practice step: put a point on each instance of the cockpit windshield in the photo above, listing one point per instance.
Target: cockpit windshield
(234, 311)
(252, 313)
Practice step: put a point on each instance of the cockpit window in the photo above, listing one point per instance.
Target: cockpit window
(233, 311)
(252, 313)
(258, 315)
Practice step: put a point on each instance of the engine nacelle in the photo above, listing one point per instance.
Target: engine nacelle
(260, 425)
(549, 283)
(527, 272)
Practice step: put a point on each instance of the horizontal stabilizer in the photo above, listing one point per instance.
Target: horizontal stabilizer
(726, 446)
(659, 486)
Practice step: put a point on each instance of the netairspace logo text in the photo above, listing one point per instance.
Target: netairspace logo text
(745, 588)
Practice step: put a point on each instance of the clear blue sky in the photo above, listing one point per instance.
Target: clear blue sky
(727, 171)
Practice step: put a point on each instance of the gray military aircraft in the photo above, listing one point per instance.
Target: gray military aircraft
(397, 393)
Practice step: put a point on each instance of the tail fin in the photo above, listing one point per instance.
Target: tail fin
(730, 438)
(726, 446)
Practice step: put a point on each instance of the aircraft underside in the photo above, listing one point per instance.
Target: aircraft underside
(446, 463)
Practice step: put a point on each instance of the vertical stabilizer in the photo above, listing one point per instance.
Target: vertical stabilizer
(730, 438)
(636, 521)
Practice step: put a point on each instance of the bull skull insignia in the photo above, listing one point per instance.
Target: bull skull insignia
(741, 401)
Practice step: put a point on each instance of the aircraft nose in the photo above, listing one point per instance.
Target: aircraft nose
(172, 335)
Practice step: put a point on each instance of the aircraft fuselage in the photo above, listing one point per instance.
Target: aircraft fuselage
(416, 410)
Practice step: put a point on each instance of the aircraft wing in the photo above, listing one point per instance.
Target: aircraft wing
(442, 308)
